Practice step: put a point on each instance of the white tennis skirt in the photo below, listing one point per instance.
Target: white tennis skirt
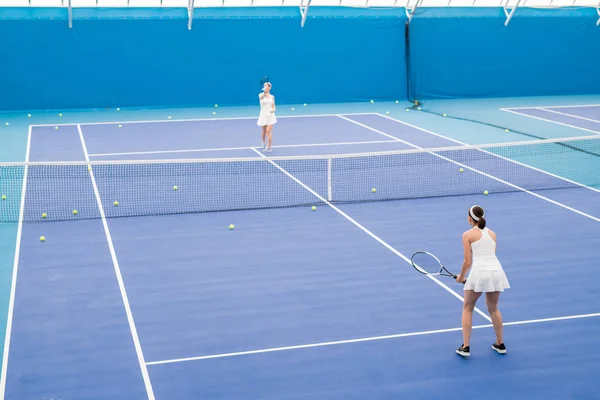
(265, 120)
(484, 281)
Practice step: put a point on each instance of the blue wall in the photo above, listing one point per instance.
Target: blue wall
(148, 57)
(139, 57)
(466, 52)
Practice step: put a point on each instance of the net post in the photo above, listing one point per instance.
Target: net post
(329, 196)
(509, 14)
(70, 10)
(190, 10)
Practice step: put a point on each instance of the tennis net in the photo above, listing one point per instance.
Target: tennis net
(160, 187)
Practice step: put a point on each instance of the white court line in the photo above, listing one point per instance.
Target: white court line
(238, 148)
(568, 106)
(365, 339)
(368, 232)
(550, 120)
(113, 255)
(493, 154)
(569, 115)
(13, 286)
(474, 169)
(192, 120)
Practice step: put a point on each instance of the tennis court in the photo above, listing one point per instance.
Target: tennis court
(157, 297)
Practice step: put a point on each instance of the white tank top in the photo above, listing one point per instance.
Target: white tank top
(266, 105)
(484, 253)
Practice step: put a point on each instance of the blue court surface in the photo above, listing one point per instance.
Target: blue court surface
(156, 298)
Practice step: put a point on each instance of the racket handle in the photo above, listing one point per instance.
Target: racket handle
(456, 276)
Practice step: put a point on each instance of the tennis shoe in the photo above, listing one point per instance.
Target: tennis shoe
(268, 150)
(464, 351)
(500, 348)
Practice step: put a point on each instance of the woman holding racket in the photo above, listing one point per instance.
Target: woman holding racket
(267, 118)
(487, 276)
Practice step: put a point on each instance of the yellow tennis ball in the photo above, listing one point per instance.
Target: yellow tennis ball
(461, 170)
(60, 115)
(231, 226)
(42, 238)
(293, 108)
(419, 108)
(506, 130)
(44, 215)
(28, 115)
(304, 104)
(169, 117)
(56, 127)
(174, 187)
(314, 208)
(214, 113)
(373, 190)
(407, 109)
(89, 168)
(118, 109)
(75, 212)
(116, 203)
(216, 105)
(372, 101)
(3, 197)
(387, 112)
(7, 124)
(486, 192)
(397, 101)
(444, 115)
(120, 126)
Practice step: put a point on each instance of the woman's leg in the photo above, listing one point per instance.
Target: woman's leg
(492, 299)
(467, 315)
(269, 136)
(264, 134)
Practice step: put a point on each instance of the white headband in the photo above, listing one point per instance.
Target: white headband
(475, 218)
(267, 83)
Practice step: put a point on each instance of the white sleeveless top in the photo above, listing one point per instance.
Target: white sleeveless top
(484, 253)
(266, 105)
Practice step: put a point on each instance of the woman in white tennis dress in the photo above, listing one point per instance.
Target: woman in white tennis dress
(266, 118)
(487, 276)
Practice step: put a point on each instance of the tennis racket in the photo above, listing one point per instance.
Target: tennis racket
(263, 81)
(428, 264)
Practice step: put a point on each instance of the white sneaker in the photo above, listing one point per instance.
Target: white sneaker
(268, 150)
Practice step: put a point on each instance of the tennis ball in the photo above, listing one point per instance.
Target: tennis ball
(60, 115)
(118, 109)
(506, 130)
(407, 109)
(373, 190)
(75, 212)
(231, 226)
(3, 197)
(29, 115)
(304, 104)
(42, 238)
(419, 108)
(56, 127)
(396, 101)
(216, 105)
(214, 113)
(387, 112)
(293, 108)
(89, 168)
(7, 124)
(120, 126)
(314, 208)
(174, 187)
(461, 170)
(169, 117)
(372, 101)
(44, 215)
(116, 203)
(486, 192)
(444, 115)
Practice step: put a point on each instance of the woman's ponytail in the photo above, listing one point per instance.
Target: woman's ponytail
(481, 223)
